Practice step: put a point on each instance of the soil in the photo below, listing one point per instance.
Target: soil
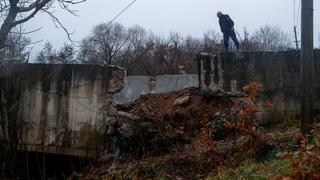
(173, 138)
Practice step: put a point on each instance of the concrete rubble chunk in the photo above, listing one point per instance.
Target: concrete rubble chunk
(126, 130)
(127, 124)
(181, 101)
(117, 82)
(127, 115)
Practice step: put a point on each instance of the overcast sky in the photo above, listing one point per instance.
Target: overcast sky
(189, 17)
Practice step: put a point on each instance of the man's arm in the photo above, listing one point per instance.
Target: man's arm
(220, 24)
(230, 21)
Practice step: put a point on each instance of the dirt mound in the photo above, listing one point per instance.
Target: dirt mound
(181, 135)
(170, 134)
(171, 120)
(186, 135)
(184, 103)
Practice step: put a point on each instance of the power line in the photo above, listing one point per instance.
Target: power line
(121, 12)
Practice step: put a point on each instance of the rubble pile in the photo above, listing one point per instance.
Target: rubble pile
(173, 133)
(177, 135)
(169, 121)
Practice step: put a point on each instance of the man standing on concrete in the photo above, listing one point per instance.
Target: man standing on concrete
(227, 28)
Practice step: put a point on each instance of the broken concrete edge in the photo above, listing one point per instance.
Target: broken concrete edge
(116, 86)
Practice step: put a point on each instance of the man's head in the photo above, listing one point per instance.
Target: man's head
(219, 14)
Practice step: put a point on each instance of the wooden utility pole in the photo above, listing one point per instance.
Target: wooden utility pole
(307, 111)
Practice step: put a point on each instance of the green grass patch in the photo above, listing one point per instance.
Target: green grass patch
(251, 169)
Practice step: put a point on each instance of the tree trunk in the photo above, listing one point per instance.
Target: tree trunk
(7, 25)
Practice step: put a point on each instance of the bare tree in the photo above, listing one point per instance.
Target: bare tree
(172, 52)
(211, 41)
(88, 53)
(47, 54)
(106, 42)
(271, 38)
(174, 55)
(16, 12)
(138, 44)
(191, 47)
(245, 41)
(66, 55)
(160, 57)
(17, 50)
(144, 53)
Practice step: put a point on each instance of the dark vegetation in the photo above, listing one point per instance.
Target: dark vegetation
(144, 53)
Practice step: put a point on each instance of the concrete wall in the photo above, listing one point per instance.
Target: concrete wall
(278, 72)
(169, 83)
(60, 106)
(140, 85)
(135, 86)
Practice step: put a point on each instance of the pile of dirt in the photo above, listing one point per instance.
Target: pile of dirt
(169, 121)
(179, 135)
(171, 134)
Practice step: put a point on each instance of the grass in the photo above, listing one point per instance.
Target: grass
(252, 169)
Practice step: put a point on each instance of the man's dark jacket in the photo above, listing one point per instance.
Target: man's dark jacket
(226, 23)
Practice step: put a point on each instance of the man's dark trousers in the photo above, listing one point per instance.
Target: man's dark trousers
(226, 37)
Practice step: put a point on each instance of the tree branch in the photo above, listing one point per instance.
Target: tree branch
(57, 21)
(27, 9)
(30, 7)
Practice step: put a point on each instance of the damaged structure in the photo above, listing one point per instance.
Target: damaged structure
(277, 72)
(227, 73)
(68, 109)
